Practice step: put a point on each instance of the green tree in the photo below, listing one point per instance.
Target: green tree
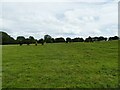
(21, 40)
(41, 41)
(7, 39)
(48, 39)
(68, 40)
(58, 40)
(31, 39)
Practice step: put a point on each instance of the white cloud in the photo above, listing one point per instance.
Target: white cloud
(88, 1)
(60, 19)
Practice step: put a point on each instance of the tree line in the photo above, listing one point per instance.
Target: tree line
(7, 39)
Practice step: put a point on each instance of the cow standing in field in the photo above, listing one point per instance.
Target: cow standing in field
(36, 43)
(20, 44)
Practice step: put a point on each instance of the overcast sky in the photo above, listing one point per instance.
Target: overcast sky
(59, 18)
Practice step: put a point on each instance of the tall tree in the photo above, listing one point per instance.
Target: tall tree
(68, 39)
(31, 39)
(89, 39)
(21, 40)
(114, 38)
(58, 40)
(78, 39)
(47, 38)
(7, 39)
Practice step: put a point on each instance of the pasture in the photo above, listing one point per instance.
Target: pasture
(61, 65)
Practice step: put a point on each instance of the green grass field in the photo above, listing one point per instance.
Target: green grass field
(72, 65)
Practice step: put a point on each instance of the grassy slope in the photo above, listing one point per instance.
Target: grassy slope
(84, 65)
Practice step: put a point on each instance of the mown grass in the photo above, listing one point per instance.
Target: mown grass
(72, 65)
